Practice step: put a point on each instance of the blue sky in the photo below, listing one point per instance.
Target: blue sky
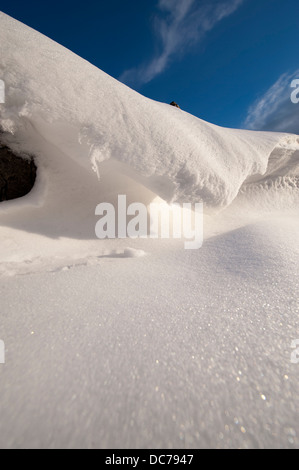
(230, 62)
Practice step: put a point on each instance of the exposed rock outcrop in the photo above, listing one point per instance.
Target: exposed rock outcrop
(173, 103)
(17, 174)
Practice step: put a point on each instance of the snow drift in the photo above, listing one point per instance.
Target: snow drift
(107, 347)
(93, 138)
(56, 98)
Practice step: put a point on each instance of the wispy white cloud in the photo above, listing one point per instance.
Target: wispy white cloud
(180, 24)
(275, 111)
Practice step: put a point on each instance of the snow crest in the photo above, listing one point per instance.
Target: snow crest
(54, 98)
(94, 138)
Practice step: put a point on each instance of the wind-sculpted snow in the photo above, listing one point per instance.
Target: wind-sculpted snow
(138, 343)
(55, 96)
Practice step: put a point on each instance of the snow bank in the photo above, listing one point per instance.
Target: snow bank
(93, 138)
(54, 98)
(141, 344)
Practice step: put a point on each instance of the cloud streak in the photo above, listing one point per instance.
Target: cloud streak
(179, 25)
(275, 111)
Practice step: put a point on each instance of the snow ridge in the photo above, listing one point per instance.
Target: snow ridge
(54, 95)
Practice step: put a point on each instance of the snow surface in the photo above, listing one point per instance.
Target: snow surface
(140, 343)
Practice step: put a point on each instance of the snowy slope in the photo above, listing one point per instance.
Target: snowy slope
(92, 117)
(174, 349)
(91, 136)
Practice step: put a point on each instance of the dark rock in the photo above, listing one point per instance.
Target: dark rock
(17, 174)
(173, 103)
